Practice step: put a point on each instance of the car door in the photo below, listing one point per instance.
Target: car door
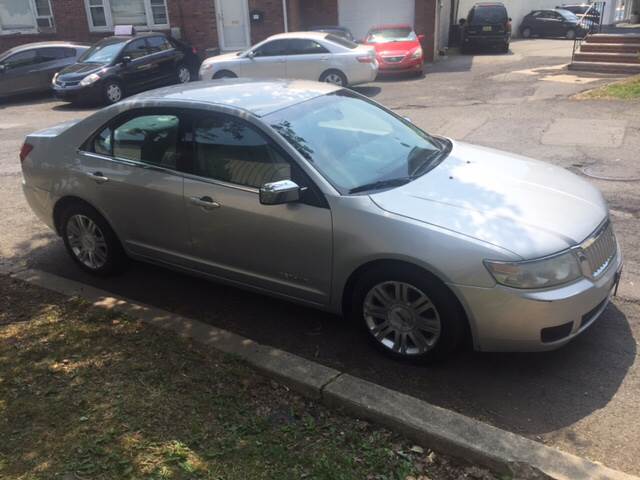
(286, 248)
(140, 69)
(50, 61)
(129, 171)
(268, 60)
(19, 73)
(166, 56)
(306, 59)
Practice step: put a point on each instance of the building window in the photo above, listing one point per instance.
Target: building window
(104, 15)
(25, 16)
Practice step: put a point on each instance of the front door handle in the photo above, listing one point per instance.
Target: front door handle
(97, 177)
(205, 202)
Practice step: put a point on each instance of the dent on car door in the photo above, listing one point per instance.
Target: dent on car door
(281, 248)
(129, 172)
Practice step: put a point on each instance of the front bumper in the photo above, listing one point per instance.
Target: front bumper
(507, 319)
(407, 65)
(77, 93)
(485, 40)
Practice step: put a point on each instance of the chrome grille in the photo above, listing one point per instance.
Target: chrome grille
(600, 249)
(393, 59)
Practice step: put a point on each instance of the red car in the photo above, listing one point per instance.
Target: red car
(397, 48)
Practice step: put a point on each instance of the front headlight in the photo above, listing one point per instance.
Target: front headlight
(54, 80)
(89, 79)
(543, 273)
(417, 53)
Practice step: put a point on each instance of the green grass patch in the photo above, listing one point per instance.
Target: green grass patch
(628, 89)
(88, 394)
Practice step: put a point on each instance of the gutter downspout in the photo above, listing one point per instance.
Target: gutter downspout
(284, 15)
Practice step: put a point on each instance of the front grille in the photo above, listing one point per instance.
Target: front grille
(67, 84)
(600, 249)
(393, 59)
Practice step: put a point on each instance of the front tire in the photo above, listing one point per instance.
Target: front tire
(408, 313)
(112, 92)
(90, 240)
(335, 77)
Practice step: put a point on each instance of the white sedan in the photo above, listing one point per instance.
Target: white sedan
(301, 55)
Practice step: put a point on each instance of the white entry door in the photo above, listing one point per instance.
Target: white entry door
(360, 15)
(233, 24)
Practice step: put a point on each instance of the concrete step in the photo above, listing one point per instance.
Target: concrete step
(607, 57)
(610, 47)
(600, 67)
(613, 38)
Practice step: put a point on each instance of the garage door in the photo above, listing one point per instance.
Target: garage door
(360, 15)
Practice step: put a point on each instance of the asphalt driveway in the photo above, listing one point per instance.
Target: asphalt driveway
(582, 398)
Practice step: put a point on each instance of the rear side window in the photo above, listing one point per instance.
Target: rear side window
(232, 151)
(488, 15)
(52, 53)
(303, 46)
(158, 44)
(341, 41)
(136, 49)
(22, 59)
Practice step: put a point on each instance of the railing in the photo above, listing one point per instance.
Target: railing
(591, 22)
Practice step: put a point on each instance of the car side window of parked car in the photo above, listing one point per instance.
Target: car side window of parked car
(304, 46)
(158, 44)
(136, 49)
(232, 151)
(54, 53)
(21, 59)
(146, 138)
(272, 49)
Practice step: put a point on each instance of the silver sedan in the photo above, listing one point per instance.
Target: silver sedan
(298, 55)
(318, 195)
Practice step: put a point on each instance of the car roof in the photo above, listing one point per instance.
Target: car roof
(312, 35)
(29, 46)
(329, 27)
(391, 25)
(258, 97)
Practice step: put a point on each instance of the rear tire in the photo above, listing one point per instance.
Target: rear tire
(408, 313)
(335, 77)
(90, 240)
(112, 92)
(570, 35)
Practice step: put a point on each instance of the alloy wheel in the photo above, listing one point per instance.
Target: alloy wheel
(87, 241)
(402, 318)
(114, 93)
(334, 78)
(184, 75)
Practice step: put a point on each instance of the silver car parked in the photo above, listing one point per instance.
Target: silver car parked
(318, 195)
(30, 67)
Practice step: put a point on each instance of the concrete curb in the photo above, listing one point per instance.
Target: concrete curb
(437, 428)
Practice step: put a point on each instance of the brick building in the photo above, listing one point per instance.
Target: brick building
(207, 24)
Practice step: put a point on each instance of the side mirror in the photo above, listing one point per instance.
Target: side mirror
(421, 38)
(510, 19)
(251, 54)
(461, 22)
(277, 193)
(126, 60)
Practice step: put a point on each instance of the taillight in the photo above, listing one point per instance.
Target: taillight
(25, 150)
(365, 59)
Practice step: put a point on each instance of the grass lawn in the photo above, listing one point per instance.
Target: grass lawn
(628, 89)
(88, 394)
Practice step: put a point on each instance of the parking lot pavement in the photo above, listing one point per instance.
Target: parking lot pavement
(582, 398)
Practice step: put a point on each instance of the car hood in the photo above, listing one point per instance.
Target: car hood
(79, 70)
(226, 57)
(528, 207)
(394, 48)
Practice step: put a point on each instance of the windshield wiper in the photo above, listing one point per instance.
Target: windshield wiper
(392, 182)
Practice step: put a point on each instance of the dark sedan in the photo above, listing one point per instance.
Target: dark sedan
(121, 65)
(29, 68)
(551, 23)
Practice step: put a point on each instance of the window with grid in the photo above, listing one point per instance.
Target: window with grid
(29, 16)
(106, 14)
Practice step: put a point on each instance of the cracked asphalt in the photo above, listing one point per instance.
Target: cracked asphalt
(582, 398)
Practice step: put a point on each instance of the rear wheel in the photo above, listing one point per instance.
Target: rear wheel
(90, 241)
(526, 32)
(571, 34)
(407, 313)
(112, 92)
(183, 74)
(336, 77)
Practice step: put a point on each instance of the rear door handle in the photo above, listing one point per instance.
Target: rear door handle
(97, 177)
(205, 202)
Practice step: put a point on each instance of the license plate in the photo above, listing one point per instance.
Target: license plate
(487, 29)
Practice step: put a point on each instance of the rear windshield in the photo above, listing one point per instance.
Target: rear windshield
(487, 15)
(390, 35)
(341, 41)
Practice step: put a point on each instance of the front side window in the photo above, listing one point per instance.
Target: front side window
(158, 44)
(136, 49)
(354, 143)
(391, 35)
(232, 151)
(144, 14)
(29, 16)
(272, 49)
(151, 139)
(303, 46)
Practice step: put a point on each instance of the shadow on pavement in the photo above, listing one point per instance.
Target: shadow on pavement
(526, 393)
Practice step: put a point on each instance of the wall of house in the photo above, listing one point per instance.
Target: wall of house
(196, 20)
(425, 23)
(517, 9)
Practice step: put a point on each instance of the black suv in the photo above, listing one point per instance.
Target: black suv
(551, 23)
(487, 24)
(121, 65)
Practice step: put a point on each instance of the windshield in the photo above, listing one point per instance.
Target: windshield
(103, 52)
(391, 35)
(570, 16)
(353, 142)
(487, 15)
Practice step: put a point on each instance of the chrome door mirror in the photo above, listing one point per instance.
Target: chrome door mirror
(251, 54)
(277, 193)
(126, 60)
